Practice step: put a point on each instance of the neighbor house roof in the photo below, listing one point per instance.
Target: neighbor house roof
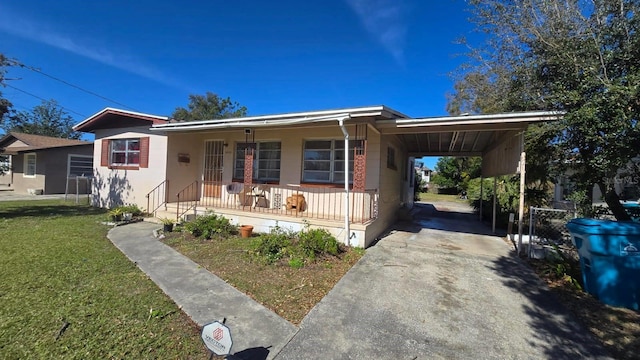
(110, 118)
(15, 142)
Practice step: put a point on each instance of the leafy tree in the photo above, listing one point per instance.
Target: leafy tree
(5, 108)
(575, 56)
(5, 105)
(48, 119)
(455, 172)
(207, 107)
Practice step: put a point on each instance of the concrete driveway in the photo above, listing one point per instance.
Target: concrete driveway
(440, 287)
(10, 195)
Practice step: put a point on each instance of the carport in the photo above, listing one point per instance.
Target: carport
(497, 138)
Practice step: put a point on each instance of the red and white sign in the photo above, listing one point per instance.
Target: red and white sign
(217, 338)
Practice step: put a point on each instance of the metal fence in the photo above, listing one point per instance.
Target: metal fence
(547, 227)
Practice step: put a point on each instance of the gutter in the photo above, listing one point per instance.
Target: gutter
(226, 124)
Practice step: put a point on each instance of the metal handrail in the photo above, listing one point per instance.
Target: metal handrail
(160, 194)
(190, 196)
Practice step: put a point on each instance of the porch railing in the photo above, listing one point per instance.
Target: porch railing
(187, 199)
(323, 203)
(157, 197)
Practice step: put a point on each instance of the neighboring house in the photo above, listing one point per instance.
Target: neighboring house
(626, 184)
(289, 169)
(425, 175)
(42, 164)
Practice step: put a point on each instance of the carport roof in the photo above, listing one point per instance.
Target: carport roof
(462, 135)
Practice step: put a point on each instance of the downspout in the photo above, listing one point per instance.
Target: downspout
(347, 239)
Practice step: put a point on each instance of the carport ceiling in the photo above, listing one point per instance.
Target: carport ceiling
(465, 135)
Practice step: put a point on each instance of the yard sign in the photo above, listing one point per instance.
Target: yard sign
(217, 338)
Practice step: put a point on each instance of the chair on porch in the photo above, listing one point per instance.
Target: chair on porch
(234, 189)
(260, 194)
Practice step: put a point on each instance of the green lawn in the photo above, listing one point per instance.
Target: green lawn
(429, 196)
(67, 292)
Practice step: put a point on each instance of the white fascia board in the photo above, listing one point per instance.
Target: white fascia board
(354, 112)
(535, 116)
(244, 123)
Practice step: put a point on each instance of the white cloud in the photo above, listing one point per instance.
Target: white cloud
(20, 26)
(384, 20)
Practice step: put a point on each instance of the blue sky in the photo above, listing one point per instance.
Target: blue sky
(270, 56)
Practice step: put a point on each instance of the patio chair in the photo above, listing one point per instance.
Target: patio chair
(259, 192)
(234, 189)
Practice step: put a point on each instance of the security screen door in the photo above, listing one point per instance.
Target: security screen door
(213, 164)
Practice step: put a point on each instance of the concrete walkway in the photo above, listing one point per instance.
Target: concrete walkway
(204, 297)
(439, 287)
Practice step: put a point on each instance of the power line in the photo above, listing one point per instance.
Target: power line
(43, 99)
(17, 63)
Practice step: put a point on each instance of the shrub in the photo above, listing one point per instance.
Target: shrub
(207, 226)
(317, 241)
(274, 245)
(298, 247)
(132, 209)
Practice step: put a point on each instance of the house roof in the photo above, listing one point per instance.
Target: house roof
(110, 118)
(286, 119)
(34, 142)
(462, 135)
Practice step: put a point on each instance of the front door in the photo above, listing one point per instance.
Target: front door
(213, 164)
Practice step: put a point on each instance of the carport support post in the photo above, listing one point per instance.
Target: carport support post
(495, 203)
(481, 195)
(521, 207)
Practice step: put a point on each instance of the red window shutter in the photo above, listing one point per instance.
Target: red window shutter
(144, 152)
(104, 155)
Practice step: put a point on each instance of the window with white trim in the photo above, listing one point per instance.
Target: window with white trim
(266, 161)
(80, 165)
(125, 152)
(323, 161)
(29, 165)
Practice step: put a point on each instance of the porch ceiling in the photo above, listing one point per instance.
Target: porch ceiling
(466, 135)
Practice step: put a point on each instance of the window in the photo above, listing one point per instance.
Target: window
(80, 165)
(30, 165)
(266, 162)
(323, 161)
(125, 153)
(5, 163)
(391, 158)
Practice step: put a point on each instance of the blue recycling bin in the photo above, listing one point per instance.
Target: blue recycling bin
(609, 259)
(633, 209)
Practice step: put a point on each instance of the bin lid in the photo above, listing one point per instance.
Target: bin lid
(597, 226)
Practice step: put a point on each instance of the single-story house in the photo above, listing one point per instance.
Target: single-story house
(43, 164)
(290, 169)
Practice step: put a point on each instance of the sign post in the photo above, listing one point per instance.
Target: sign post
(217, 338)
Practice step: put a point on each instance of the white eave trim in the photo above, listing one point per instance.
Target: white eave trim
(246, 123)
(534, 116)
(280, 119)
